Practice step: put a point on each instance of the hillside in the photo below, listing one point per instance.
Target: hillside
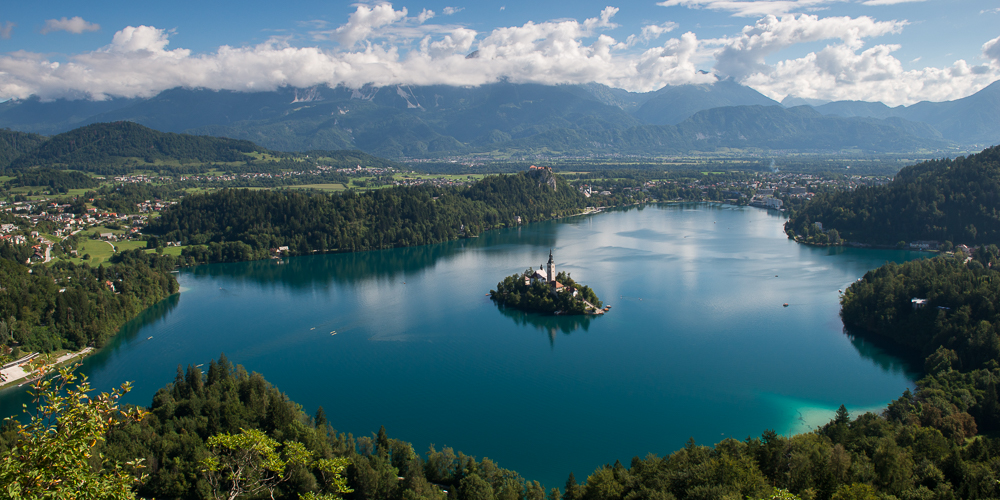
(14, 144)
(944, 200)
(244, 224)
(123, 147)
(111, 147)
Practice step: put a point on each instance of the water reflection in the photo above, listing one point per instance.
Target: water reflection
(550, 324)
(14, 397)
(889, 357)
(309, 271)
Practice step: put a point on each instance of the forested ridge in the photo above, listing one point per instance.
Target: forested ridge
(68, 306)
(240, 224)
(956, 200)
(103, 148)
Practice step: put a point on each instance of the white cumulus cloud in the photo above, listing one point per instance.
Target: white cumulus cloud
(75, 25)
(363, 22)
(744, 54)
(991, 50)
(451, 10)
(382, 46)
(840, 72)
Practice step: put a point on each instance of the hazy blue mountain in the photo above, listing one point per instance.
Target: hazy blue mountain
(763, 127)
(53, 117)
(849, 109)
(675, 103)
(970, 120)
(791, 101)
(433, 121)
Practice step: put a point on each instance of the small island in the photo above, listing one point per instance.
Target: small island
(543, 290)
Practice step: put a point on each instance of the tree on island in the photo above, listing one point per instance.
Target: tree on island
(523, 291)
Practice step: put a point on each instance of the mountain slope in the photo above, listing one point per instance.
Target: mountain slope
(438, 121)
(945, 200)
(107, 147)
(970, 120)
(14, 144)
(674, 104)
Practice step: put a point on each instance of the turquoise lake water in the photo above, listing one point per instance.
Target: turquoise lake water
(697, 343)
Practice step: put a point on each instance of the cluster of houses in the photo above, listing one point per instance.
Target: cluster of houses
(153, 205)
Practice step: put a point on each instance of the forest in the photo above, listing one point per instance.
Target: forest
(246, 224)
(68, 306)
(538, 295)
(953, 200)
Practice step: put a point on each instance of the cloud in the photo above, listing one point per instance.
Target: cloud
(990, 11)
(840, 72)
(382, 46)
(452, 10)
(652, 32)
(424, 16)
(887, 2)
(503, 8)
(991, 50)
(6, 29)
(75, 25)
(750, 8)
(363, 22)
(744, 55)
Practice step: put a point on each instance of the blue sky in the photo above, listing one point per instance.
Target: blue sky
(895, 51)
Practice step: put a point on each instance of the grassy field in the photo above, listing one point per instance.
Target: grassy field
(175, 251)
(98, 250)
(321, 187)
(122, 246)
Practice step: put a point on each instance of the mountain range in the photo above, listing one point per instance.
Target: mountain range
(511, 119)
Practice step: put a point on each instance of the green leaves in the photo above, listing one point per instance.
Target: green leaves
(251, 462)
(52, 456)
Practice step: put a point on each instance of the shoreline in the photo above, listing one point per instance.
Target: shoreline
(15, 374)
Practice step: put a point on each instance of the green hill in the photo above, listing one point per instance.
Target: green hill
(945, 200)
(111, 147)
(14, 144)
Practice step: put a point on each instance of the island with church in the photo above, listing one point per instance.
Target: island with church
(542, 290)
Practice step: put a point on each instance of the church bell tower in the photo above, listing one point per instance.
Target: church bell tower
(551, 269)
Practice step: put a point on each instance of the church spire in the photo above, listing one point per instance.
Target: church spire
(551, 269)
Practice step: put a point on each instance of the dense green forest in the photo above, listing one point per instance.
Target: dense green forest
(107, 147)
(945, 200)
(124, 147)
(14, 144)
(45, 308)
(250, 223)
(539, 296)
(57, 180)
(924, 446)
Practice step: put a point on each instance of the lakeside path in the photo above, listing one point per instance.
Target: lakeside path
(17, 372)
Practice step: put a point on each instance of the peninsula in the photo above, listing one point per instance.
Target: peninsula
(543, 290)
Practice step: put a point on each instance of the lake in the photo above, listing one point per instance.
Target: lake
(697, 343)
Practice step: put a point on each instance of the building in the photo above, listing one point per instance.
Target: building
(546, 273)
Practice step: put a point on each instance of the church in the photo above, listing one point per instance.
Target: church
(546, 274)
